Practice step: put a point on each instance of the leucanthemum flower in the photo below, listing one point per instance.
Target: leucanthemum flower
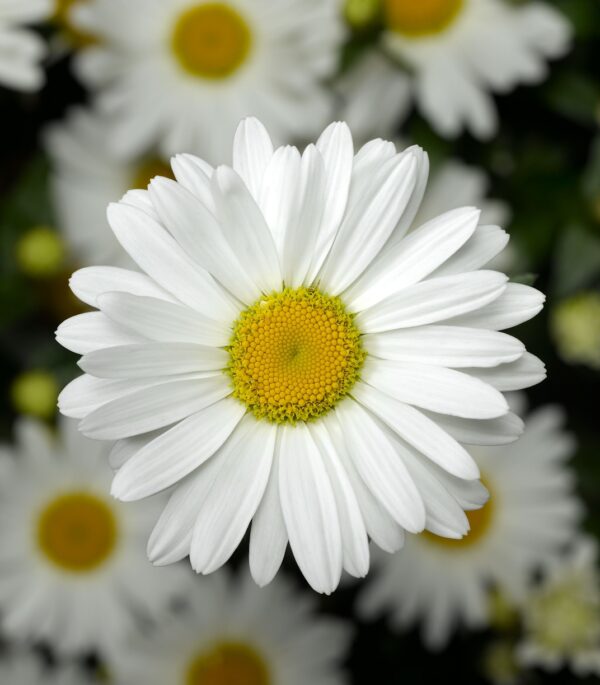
(21, 50)
(562, 616)
(73, 570)
(86, 178)
(25, 668)
(180, 74)
(530, 517)
(458, 50)
(235, 633)
(297, 354)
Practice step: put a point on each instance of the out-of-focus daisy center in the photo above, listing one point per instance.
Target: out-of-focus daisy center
(147, 169)
(77, 532)
(228, 663)
(294, 354)
(211, 40)
(420, 17)
(62, 17)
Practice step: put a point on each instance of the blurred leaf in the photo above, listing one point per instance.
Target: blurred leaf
(574, 95)
(576, 261)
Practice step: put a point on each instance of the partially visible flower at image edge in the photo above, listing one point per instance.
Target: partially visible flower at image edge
(296, 354)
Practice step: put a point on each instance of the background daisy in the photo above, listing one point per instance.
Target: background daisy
(73, 572)
(25, 668)
(532, 514)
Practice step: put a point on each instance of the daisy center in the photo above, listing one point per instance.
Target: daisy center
(417, 18)
(211, 40)
(76, 36)
(228, 663)
(77, 532)
(294, 355)
(147, 169)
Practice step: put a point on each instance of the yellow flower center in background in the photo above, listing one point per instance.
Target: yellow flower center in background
(417, 18)
(211, 40)
(62, 17)
(294, 354)
(147, 169)
(77, 532)
(228, 663)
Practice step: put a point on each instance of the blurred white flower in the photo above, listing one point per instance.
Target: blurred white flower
(562, 616)
(86, 178)
(25, 668)
(295, 355)
(532, 513)
(21, 50)
(233, 632)
(73, 570)
(458, 50)
(178, 75)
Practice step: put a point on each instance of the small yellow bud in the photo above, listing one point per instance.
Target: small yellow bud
(361, 14)
(41, 252)
(499, 663)
(35, 393)
(575, 326)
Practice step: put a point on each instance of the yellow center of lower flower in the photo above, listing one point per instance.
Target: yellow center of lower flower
(75, 35)
(417, 18)
(147, 169)
(228, 663)
(211, 40)
(77, 532)
(294, 354)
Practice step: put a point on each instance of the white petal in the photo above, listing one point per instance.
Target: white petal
(252, 152)
(245, 464)
(162, 321)
(419, 431)
(500, 431)
(89, 283)
(518, 303)
(84, 333)
(354, 535)
(451, 346)
(246, 229)
(309, 510)
(380, 467)
(268, 535)
(412, 209)
(153, 407)
(412, 259)
(159, 255)
(198, 232)
(366, 226)
(433, 300)
(525, 372)
(177, 452)
(194, 175)
(153, 359)
(486, 243)
(436, 388)
(124, 449)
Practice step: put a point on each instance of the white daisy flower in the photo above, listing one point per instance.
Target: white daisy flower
(180, 74)
(295, 354)
(234, 632)
(21, 50)
(25, 668)
(562, 617)
(458, 50)
(531, 515)
(86, 178)
(73, 571)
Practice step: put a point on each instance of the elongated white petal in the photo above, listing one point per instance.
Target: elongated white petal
(268, 535)
(177, 451)
(419, 431)
(380, 467)
(230, 504)
(413, 258)
(194, 175)
(309, 509)
(246, 229)
(125, 448)
(436, 388)
(198, 232)
(368, 225)
(153, 359)
(412, 208)
(354, 534)
(87, 284)
(162, 321)
(451, 346)
(153, 407)
(501, 431)
(90, 331)
(433, 300)
(159, 255)
(518, 375)
(486, 243)
(518, 303)
(252, 152)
